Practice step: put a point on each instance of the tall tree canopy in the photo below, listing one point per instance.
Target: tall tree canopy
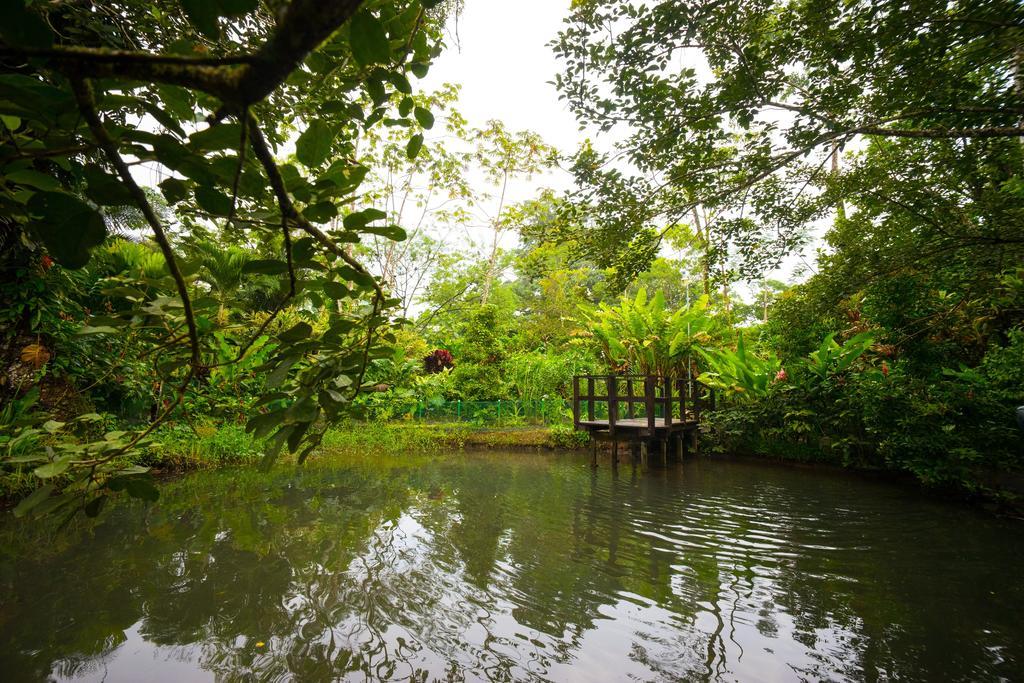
(737, 107)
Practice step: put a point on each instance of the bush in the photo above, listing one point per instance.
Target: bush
(954, 429)
(178, 446)
(565, 436)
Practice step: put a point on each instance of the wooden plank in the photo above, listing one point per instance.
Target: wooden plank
(613, 402)
(576, 402)
(638, 423)
(590, 402)
(629, 398)
(649, 401)
(668, 402)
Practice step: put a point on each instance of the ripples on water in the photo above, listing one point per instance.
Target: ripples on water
(513, 567)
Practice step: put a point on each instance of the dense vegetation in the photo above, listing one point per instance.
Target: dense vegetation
(229, 226)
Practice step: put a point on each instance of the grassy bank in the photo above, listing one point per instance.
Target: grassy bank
(182, 448)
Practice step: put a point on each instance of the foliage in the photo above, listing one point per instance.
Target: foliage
(564, 436)
(642, 336)
(126, 86)
(533, 375)
(739, 372)
(181, 446)
(832, 358)
(734, 108)
(957, 430)
(480, 355)
(228, 309)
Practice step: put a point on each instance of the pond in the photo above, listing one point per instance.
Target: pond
(517, 567)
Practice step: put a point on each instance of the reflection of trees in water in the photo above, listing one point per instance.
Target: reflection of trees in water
(503, 569)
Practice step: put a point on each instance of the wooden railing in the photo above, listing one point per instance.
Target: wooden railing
(679, 400)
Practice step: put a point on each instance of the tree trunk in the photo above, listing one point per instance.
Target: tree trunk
(705, 244)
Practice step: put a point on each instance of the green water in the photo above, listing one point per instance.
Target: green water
(518, 567)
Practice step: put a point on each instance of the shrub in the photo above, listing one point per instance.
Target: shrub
(179, 446)
(564, 436)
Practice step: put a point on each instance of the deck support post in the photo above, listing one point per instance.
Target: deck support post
(593, 451)
(615, 453)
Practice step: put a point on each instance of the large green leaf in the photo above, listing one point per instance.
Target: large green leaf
(221, 136)
(368, 39)
(424, 117)
(392, 232)
(213, 201)
(32, 178)
(203, 15)
(314, 145)
(321, 212)
(336, 290)
(105, 189)
(52, 469)
(414, 146)
(67, 226)
(174, 190)
(297, 332)
(359, 219)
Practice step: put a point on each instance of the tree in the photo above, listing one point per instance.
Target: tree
(737, 107)
(430, 192)
(86, 95)
(503, 156)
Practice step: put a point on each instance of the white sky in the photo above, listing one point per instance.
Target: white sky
(504, 65)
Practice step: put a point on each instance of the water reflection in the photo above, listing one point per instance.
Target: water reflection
(517, 568)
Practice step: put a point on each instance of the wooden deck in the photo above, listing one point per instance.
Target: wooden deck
(637, 424)
(646, 412)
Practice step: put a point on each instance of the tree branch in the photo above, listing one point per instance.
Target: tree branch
(306, 24)
(238, 80)
(288, 210)
(87, 107)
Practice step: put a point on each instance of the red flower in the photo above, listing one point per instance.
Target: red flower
(885, 368)
(781, 375)
(46, 262)
(437, 361)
